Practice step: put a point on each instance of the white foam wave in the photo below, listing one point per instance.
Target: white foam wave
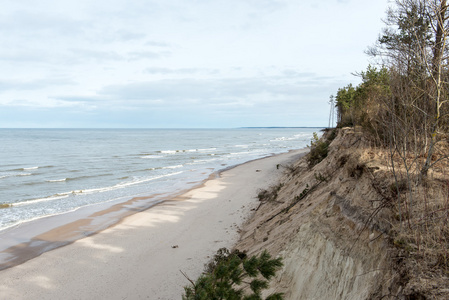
(57, 180)
(283, 138)
(207, 150)
(15, 175)
(199, 161)
(92, 191)
(237, 153)
(200, 150)
(123, 184)
(187, 150)
(173, 167)
(46, 199)
(168, 151)
(151, 156)
(31, 168)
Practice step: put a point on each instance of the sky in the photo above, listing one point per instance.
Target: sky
(180, 63)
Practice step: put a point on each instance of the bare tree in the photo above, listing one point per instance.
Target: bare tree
(414, 48)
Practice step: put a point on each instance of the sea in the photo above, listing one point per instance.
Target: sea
(47, 172)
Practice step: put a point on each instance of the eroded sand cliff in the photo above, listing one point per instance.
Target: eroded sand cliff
(332, 226)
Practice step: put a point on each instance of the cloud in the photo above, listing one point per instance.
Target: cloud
(157, 44)
(6, 85)
(295, 73)
(267, 5)
(212, 60)
(124, 35)
(138, 55)
(215, 91)
(23, 55)
(77, 55)
(180, 71)
(33, 25)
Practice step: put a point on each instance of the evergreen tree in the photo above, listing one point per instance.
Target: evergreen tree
(229, 272)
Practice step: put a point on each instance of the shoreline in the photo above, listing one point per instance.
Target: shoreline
(190, 217)
(30, 239)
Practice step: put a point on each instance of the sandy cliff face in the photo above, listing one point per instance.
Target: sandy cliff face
(327, 224)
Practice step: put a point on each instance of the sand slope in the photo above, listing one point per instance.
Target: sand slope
(141, 257)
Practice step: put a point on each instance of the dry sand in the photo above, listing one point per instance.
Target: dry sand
(141, 257)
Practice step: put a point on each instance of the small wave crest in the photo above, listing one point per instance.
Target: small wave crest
(283, 138)
(45, 199)
(187, 150)
(30, 168)
(87, 191)
(168, 151)
(173, 167)
(120, 185)
(151, 156)
(57, 180)
(15, 174)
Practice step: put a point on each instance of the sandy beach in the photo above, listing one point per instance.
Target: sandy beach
(142, 256)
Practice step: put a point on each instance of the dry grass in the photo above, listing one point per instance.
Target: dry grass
(420, 229)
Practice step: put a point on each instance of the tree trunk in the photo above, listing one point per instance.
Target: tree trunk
(437, 51)
(440, 45)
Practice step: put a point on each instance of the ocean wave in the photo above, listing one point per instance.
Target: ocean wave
(207, 150)
(237, 153)
(38, 200)
(57, 180)
(202, 150)
(151, 156)
(7, 175)
(294, 137)
(173, 167)
(122, 185)
(30, 168)
(79, 171)
(168, 151)
(23, 174)
(90, 191)
(283, 138)
(81, 177)
(202, 161)
(160, 168)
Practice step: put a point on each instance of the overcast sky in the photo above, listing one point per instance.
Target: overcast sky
(180, 63)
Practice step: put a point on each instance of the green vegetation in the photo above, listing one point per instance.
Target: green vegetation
(227, 275)
(404, 103)
(318, 150)
(355, 106)
(319, 147)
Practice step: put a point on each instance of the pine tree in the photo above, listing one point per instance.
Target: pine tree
(227, 274)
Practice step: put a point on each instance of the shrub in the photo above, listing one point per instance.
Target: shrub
(318, 150)
(271, 194)
(225, 274)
